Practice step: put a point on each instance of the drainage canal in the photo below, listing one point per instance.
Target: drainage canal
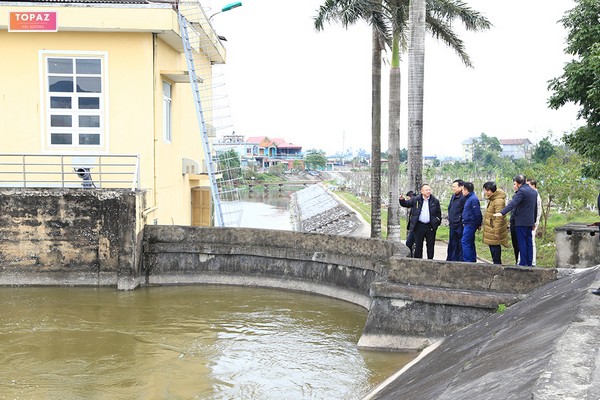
(190, 342)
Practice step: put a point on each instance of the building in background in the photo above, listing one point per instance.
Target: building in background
(468, 147)
(511, 148)
(262, 151)
(516, 148)
(82, 81)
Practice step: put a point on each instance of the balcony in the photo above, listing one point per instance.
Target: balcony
(92, 171)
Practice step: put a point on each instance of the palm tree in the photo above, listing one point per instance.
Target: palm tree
(396, 8)
(437, 17)
(416, 75)
(348, 13)
(376, 128)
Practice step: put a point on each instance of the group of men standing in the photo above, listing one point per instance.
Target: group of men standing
(465, 218)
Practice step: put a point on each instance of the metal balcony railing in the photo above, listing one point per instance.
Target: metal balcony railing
(111, 171)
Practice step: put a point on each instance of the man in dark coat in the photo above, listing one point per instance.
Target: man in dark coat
(425, 217)
(523, 206)
(410, 236)
(471, 220)
(597, 291)
(455, 210)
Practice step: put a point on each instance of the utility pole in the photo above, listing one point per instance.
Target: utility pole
(343, 146)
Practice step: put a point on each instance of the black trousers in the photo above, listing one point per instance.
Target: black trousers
(424, 232)
(496, 251)
(515, 242)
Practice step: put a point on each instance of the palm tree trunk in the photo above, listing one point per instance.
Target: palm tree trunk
(393, 222)
(416, 73)
(376, 136)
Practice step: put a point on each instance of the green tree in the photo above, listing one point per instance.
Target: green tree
(298, 165)
(580, 81)
(561, 185)
(487, 151)
(315, 159)
(229, 164)
(403, 155)
(544, 150)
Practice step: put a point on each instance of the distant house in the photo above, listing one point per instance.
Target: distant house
(429, 160)
(468, 147)
(516, 148)
(262, 150)
(269, 152)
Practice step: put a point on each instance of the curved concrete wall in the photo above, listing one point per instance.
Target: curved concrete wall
(338, 266)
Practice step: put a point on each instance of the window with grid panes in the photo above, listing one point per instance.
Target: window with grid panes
(75, 104)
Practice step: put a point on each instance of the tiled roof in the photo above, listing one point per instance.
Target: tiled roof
(265, 141)
(289, 146)
(514, 141)
(256, 139)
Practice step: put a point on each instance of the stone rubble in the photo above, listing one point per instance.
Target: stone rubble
(314, 209)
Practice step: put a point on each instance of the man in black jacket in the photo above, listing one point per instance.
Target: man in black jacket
(425, 217)
(455, 210)
(597, 291)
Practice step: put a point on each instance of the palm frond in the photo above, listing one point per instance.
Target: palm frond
(450, 10)
(443, 31)
(345, 12)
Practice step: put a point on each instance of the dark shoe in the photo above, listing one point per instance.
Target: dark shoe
(596, 292)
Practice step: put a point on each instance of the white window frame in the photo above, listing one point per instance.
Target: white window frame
(167, 101)
(101, 113)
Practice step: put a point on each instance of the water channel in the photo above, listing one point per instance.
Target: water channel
(187, 342)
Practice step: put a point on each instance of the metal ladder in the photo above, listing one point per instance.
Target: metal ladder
(208, 159)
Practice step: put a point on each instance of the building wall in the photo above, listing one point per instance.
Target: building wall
(134, 58)
(173, 189)
(71, 237)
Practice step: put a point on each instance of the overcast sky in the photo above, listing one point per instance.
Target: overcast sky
(311, 88)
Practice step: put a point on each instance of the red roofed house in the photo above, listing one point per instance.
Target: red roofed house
(268, 152)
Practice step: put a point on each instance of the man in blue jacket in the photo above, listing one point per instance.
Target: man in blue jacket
(455, 210)
(597, 291)
(523, 206)
(471, 220)
(425, 218)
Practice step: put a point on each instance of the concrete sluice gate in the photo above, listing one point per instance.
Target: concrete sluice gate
(99, 238)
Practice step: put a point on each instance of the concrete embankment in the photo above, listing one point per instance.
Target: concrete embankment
(544, 347)
(315, 209)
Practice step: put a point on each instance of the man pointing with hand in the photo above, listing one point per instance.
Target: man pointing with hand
(524, 208)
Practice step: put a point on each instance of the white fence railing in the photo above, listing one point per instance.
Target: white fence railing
(110, 171)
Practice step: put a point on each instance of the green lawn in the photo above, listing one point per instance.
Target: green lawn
(546, 247)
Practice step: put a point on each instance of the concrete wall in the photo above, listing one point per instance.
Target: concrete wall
(70, 237)
(338, 266)
(577, 246)
(411, 302)
(423, 301)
